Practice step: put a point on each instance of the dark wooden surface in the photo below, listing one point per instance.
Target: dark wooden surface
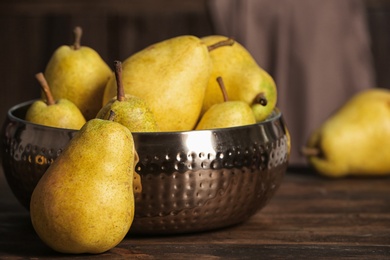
(309, 217)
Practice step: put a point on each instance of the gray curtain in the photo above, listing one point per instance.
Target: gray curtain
(318, 52)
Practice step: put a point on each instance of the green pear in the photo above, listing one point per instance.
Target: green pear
(61, 113)
(245, 80)
(84, 203)
(130, 111)
(354, 140)
(79, 74)
(171, 77)
(227, 113)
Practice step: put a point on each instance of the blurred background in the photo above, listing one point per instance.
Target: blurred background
(320, 52)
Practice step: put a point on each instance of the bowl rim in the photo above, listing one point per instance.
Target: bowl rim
(275, 115)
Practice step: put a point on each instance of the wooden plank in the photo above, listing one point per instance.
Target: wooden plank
(309, 216)
(124, 7)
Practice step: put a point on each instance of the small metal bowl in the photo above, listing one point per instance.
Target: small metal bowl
(189, 181)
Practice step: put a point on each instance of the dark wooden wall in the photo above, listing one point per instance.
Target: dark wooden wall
(32, 30)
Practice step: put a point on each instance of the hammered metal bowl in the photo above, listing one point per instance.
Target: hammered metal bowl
(189, 181)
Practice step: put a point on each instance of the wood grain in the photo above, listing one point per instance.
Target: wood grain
(310, 216)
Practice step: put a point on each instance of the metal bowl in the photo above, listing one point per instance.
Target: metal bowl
(189, 181)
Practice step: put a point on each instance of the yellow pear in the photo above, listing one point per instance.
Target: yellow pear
(60, 113)
(354, 140)
(84, 203)
(171, 77)
(130, 111)
(245, 80)
(227, 113)
(79, 74)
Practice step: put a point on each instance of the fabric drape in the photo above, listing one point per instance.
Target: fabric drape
(317, 51)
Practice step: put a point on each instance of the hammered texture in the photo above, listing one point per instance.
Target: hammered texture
(184, 182)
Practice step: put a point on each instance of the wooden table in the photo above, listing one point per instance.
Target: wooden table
(310, 217)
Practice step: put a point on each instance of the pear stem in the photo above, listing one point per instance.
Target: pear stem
(260, 99)
(120, 96)
(78, 32)
(310, 151)
(227, 42)
(46, 89)
(223, 89)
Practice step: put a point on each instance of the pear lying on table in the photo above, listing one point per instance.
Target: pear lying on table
(245, 80)
(79, 74)
(60, 113)
(130, 111)
(84, 203)
(227, 113)
(354, 140)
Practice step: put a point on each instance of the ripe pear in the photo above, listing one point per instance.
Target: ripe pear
(245, 80)
(355, 139)
(84, 203)
(227, 113)
(171, 77)
(60, 113)
(79, 74)
(130, 111)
